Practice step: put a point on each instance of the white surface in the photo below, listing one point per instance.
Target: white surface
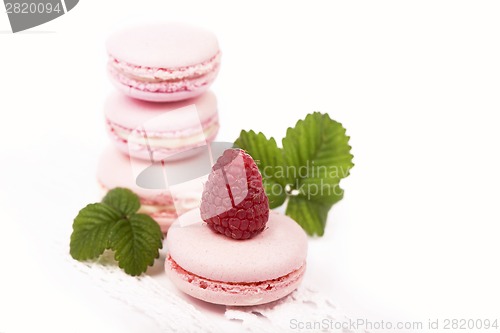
(415, 84)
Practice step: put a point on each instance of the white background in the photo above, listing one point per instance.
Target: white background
(416, 84)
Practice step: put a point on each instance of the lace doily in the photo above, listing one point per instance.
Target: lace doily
(303, 306)
(173, 314)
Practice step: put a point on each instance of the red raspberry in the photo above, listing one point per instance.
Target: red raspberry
(234, 202)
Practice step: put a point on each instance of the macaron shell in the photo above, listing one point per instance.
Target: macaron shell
(132, 113)
(164, 204)
(277, 251)
(165, 45)
(164, 220)
(156, 131)
(164, 214)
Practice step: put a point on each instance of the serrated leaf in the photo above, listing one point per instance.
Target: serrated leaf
(310, 215)
(316, 155)
(319, 146)
(269, 159)
(123, 200)
(136, 241)
(318, 149)
(91, 231)
(325, 190)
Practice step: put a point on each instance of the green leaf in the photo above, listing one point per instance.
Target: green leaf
(310, 209)
(319, 148)
(123, 200)
(310, 215)
(114, 224)
(315, 157)
(136, 241)
(325, 190)
(269, 159)
(91, 231)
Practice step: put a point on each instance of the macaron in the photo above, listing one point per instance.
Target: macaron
(221, 270)
(155, 131)
(162, 202)
(163, 62)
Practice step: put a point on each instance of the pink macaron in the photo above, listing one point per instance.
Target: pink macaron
(162, 202)
(163, 62)
(221, 270)
(155, 131)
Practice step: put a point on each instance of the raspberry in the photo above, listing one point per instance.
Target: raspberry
(234, 202)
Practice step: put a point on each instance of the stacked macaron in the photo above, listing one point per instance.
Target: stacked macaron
(161, 113)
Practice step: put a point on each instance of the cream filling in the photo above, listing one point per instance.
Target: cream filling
(187, 202)
(157, 209)
(187, 84)
(156, 74)
(160, 141)
(237, 287)
(180, 207)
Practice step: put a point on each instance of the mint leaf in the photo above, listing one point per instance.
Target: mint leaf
(269, 159)
(315, 157)
(114, 224)
(136, 241)
(91, 231)
(123, 200)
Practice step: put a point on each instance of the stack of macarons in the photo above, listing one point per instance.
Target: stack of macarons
(161, 112)
(159, 120)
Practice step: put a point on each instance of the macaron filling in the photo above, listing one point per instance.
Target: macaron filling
(162, 209)
(168, 142)
(157, 74)
(164, 80)
(159, 210)
(247, 288)
(168, 210)
(163, 206)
